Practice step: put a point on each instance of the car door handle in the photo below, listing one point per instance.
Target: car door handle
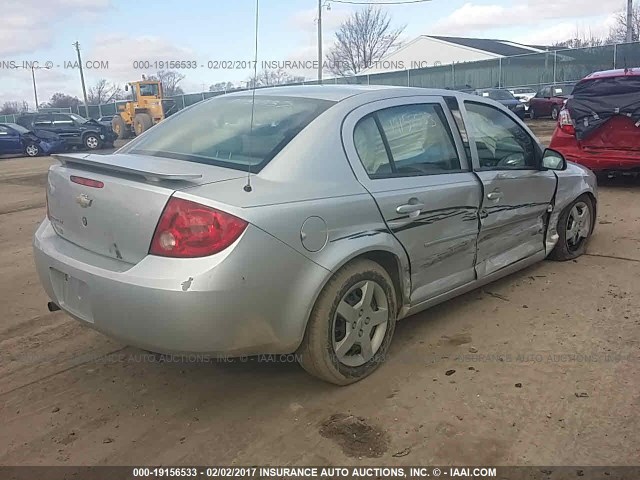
(495, 195)
(410, 208)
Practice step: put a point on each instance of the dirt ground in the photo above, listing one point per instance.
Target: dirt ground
(540, 368)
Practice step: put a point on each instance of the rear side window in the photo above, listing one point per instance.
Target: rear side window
(230, 132)
(370, 147)
(416, 138)
(42, 121)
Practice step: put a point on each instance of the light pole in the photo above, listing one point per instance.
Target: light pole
(321, 4)
(629, 21)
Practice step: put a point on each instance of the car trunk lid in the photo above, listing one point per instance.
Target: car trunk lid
(111, 204)
(619, 134)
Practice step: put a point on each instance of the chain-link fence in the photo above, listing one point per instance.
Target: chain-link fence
(530, 70)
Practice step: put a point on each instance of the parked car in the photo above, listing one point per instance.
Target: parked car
(600, 124)
(308, 219)
(106, 120)
(524, 94)
(549, 101)
(15, 139)
(462, 88)
(74, 129)
(504, 97)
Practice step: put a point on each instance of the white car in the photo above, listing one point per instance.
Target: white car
(524, 94)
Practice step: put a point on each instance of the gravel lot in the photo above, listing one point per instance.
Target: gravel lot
(540, 368)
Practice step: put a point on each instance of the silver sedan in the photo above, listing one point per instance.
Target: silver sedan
(307, 219)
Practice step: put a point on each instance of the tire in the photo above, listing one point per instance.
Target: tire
(141, 123)
(555, 111)
(320, 353)
(120, 128)
(32, 150)
(569, 248)
(91, 141)
(532, 113)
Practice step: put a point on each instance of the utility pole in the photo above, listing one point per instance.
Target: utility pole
(629, 21)
(319, 41)
(84, 89)
(35, 91)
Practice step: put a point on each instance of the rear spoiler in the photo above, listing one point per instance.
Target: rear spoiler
(151, 168)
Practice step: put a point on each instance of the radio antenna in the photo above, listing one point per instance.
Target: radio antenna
(247, 188)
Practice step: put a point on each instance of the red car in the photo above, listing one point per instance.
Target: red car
(599, 127)
(549, 101)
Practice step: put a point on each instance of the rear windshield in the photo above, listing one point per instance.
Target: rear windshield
(497, 94)
(602, 87)
(562, 90)
(228, 132)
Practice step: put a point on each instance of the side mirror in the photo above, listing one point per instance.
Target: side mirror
(552, 160)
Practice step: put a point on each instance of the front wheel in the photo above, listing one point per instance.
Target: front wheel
(91, 141)
(351, 325)
(555, 111)
(32, 150)
(575, 226)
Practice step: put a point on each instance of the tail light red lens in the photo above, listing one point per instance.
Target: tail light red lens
(187, 229)
(87, 182)
(565, 123)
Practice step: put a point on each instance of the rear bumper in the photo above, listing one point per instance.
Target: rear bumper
(225, 304)
(597, 161)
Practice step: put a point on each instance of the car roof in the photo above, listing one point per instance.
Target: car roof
(619, 72)
(337, 93)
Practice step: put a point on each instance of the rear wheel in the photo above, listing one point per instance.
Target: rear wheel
(32, 150)
(555, 111)
(119, 127)
(574, 229)
(142, 122)
(351, 325)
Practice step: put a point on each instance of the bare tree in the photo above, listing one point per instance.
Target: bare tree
(581, 40)
(62, 100)
(363, 39)
(9, 108)
(221, 87)
(170, 80)
(103, 92)
(618, 32)
(267, 78)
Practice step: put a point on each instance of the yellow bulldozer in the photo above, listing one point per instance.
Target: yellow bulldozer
(147, 108)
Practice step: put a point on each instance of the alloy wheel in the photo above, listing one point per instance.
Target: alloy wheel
(92, 142)
(360, 323)
(31, 150)
(578, 225)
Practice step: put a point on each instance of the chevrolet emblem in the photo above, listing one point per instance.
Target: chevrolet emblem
(83, 200)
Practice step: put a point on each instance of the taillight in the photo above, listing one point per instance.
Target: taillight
(565, 123)
(187, 229)
(87, 182)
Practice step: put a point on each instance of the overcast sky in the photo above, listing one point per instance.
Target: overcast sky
(123, 31)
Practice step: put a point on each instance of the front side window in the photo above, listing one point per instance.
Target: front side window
(148, 89)
(230, 131)
(502, 144)
(62, 120)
